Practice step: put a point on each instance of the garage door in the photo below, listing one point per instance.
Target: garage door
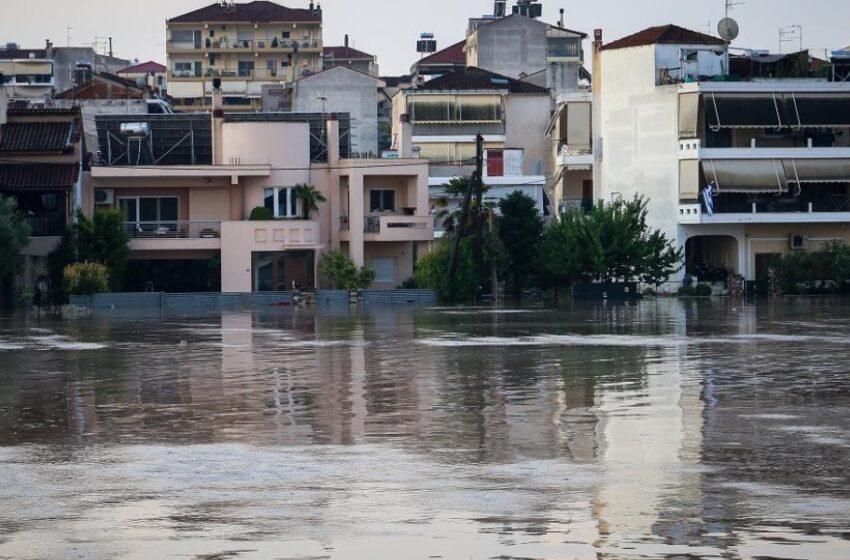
(385, 270)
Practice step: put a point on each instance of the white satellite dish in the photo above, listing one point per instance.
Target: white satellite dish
(728, 29)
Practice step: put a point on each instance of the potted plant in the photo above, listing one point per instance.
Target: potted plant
(310, 199)
(275, 43)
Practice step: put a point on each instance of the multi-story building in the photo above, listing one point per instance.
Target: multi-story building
(188, 183)
(26, 73)
(673, 119)
(41, 160)
(149, 74)
(448, 112)
(350, 58)
(246, 46)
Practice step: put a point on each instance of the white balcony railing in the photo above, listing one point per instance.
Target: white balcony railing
(177, 229)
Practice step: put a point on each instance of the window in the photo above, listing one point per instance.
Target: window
(246, 68)
(187, 36)
(285, 34)
(150, 212)
(382, 200)
(49, 202)
(282, 202)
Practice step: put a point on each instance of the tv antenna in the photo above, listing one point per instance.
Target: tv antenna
(730, 4)
(791, 33)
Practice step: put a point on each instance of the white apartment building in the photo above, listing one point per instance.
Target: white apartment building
(671, 118)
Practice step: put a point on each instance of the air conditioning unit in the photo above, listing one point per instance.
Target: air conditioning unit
(798, 242)
(104, 196)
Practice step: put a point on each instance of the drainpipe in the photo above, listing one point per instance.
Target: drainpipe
(596, 125)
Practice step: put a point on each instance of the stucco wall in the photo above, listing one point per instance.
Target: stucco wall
(512, 46)
(527, 117)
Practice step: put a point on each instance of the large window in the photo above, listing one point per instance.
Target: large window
(282, 202)
(150, 211)
(246, 68)
(455, 108)
(382, 200)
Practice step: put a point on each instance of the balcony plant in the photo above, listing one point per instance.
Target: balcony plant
(261, 214)
(85, 278)
(310, 197)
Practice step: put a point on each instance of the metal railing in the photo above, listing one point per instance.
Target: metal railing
(46, 226)
(174, 229)
(734, 203)
(344, 224)
(570, 150)
(247, 74)
(575, 205)
(227, 43)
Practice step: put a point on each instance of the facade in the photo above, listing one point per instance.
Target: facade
(340, 89)
(571, 135)
(245, 46)
(350, 57)
(26, 73)
(42, 159)
(150, 74)
(673, 119)
(190, 211)
(446, 115)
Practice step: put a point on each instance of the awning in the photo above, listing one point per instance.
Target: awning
(746, 111)
(822, 110)
(578, 124)
(689, 115)
(817, 170)
(747, 176)
(689, 179)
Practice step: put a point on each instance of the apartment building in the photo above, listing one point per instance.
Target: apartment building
(350, 57)
(776, 145)
(188, 183)
(41, 161)
(26, 73)
(447, 113)
(246, 46)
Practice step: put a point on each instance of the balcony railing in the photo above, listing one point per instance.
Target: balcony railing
(46, 226)
(175, 229)
(237, 45)
(381, 224)
(344, 224)
(575, 205)
(807, 202)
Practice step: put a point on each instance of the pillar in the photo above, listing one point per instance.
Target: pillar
(357, 217)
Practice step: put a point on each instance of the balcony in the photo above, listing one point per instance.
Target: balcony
(238, 74)
(812, 205)
(583, 205)
(399, 228)
(176, 235)
(231, 45)
(46, 226)
(576, 158)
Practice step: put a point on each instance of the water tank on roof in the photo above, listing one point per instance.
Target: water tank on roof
(139, 129)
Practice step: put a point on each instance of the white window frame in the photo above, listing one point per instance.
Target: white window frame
(138, 200)
(294, 209)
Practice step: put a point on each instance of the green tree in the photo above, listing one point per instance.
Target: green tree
(341, 272)
(519, 230)
(432, 270)
(837, 257)
(103, 240)
(455, 191)
(310, 197)
(84, 278)
(14, 235)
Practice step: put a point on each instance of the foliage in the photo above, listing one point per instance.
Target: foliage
(611, 243)
(409, 284)
(310, 198)
(520, 229)
(14, 235)
(455, 190)
(103, 240)
(837, 257)
(824, 272)
(64, 254)
(84, 278)
(343, 274)
(261, 214)
(432, 270)
(700, 290)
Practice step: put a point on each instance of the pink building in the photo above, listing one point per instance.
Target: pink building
(188, 184)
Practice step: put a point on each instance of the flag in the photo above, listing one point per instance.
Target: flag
(708, 199)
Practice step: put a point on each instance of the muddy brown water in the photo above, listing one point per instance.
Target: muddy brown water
(664, 430)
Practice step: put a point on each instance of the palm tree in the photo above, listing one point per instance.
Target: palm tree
(454, 190)
(310, 199)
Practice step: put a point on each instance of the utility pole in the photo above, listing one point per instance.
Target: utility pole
(475, 189)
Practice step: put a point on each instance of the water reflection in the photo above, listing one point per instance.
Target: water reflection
(659, 430)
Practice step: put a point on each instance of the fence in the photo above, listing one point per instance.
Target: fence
(182, 302)
(427, 297)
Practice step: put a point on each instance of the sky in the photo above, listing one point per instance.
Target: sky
(389, 28)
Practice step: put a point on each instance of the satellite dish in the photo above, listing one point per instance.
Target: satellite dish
(728, 29)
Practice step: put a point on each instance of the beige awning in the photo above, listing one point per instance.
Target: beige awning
(689, 180)
(817, 170)
(689, 115)
(578, 124)
(747, 176)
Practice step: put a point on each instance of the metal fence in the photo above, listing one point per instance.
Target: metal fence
(427, 297)
(182, 302)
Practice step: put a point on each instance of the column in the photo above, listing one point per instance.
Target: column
(356, 213)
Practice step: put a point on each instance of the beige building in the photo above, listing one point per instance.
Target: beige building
(246, 46)
(26, 73)
(187, 204)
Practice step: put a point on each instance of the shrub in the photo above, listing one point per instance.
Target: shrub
(86, 278)
(261, 214)
(700, 290)
(342, 273)
(14, 235)
(104, 240)
(432, 271)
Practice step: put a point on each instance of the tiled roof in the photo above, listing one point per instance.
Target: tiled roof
(144, 68)
(35, 136)
(664, 35)
(345, 53)
(449, 55)
(258, 11)
(16, 176)
(8, 54)
(477, 79)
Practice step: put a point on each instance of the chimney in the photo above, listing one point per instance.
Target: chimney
(561, 22)
(332, 138)
(217, 123)
(346, 40)
(405, 142)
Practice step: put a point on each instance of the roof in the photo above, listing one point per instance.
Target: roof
(8, 54)
(144, 68)
(396, 81)
(472, 78)
(345, 53)
(36, 136)
(87, 89)
(342, 68)
(664, 35)
(16, 176)
(450, 55)
(258, 11)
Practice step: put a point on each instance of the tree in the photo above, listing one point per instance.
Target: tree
(611, 243)
(103, 240)
(342, 273)
(432, 271)
(84, 278)
(519, 230)
(455, 190)
(310, 199)
(14, 235)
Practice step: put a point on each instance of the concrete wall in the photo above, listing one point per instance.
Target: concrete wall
(511, 46)
(346, 91)
(527, 116)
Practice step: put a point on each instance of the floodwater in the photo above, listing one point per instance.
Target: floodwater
(665, 429)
